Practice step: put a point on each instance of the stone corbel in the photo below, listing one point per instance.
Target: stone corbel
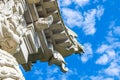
(78, 48)
(58, 59)
(43, 23)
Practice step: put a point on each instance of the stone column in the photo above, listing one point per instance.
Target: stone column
(9, 68)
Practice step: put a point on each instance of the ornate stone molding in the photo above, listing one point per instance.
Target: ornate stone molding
(9, 68)
(33, 30)
(12, 26)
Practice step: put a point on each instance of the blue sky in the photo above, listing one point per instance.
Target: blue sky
(97, 23)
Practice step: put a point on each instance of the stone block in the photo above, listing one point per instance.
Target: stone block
(33, 1)
(22, 56)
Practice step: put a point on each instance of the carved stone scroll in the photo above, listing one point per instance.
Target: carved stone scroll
(9, 68)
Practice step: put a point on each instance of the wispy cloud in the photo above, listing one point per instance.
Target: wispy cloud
(103, 60)
(110, 53)
(97, 1)
(51, 78)
(72, 17)
(38, 72)
(113, 69)
(116, 30)
(60, 76)
(109, 49)
(90, 19)
(81, 2)
(103, 48)
(100, 11)
(88, 53)
(67, 75)
(100, 78)
(86, 20)
(89, 22)
(65, 3)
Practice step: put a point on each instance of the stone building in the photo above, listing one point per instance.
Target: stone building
(33, 30)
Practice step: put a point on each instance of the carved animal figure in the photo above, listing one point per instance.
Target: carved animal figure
(33, 30)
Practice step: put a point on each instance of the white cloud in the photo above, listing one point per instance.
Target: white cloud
(90, 19)
(108, 79)
(110, 53)
(116, 44)
(81, 2)
(111, 39)
(114, 30)
(88, 53)
(103, 48)
(85, 21)
(103, 60)
(65, 3)
(113, 70)
(38, 72)
(89, 23)
(72, 18)
(100, 11)
(113, 35)
(63, 77)
(51, 71)
(68, 74)
(117, 30)
(96, 77)
(51, 78)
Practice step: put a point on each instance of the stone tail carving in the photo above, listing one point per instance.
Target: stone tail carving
(9, 68)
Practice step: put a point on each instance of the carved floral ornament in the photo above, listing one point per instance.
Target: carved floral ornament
(11, 24)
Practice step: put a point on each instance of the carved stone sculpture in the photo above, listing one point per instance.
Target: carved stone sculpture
(9, 69)
(33, 30)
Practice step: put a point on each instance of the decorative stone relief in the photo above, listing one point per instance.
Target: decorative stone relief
(12, 28)
(11, 25)
(33, 28)
(9, 68)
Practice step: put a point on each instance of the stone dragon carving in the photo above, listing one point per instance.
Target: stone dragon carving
(30, 32)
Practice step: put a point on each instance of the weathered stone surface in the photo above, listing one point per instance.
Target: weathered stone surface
(33, 30)
(9, 68)
(33, 1)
